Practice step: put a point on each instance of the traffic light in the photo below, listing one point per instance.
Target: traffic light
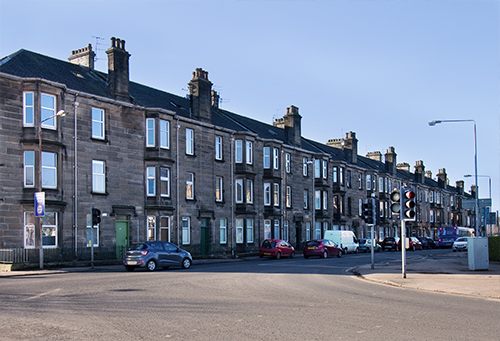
(368, 214)
(409, 205)
(395, 201)
(96, 216)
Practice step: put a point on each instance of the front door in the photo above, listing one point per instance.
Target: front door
(122, 239)
(205, 236)
(298, 234)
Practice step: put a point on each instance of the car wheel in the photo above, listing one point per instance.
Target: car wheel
(306, 257)
(129, 268)
(340, 254)
(292, 254)
(186, 263)
(345, 251)
(413, 248)
(278, 255)
(151, 265)
(454, 250)
(325, 254)
(356, 251)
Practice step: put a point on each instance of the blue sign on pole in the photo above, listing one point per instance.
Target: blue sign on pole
(39, 204)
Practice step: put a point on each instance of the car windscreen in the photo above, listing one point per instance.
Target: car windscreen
(312, 243)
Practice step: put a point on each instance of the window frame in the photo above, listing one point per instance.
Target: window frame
(49, 169)
(186, 230)
(165, 182)
(218, 147)
(288, 161)
(238, 151)
(164, 134)
(96, 176)
(189, 141)
(150, 133)
(239, 231)
(29, 168)
(28, 109)
(249, 152)
(46, 112)
(223, 231)
(189, 186)
(249, 191)
(150, 181)
(238, 190)
(276, 158)
(276, 194)
(266, 154)
(250, 230)
(267, 194)
(100, 123)
(219, 182)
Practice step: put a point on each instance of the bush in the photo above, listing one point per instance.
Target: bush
(494, 248)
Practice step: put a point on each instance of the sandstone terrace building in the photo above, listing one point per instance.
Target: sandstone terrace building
(166, 167)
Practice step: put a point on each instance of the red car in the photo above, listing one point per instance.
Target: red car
(322, 248)
(276, 248)
(414, 244)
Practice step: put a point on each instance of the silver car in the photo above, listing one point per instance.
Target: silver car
(151, 255)
(460, 244)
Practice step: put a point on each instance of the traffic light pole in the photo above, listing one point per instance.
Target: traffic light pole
(403, 247)
(372, 248)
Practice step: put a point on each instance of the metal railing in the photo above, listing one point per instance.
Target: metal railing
(60, 255)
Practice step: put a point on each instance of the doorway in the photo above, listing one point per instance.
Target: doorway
(122, 238)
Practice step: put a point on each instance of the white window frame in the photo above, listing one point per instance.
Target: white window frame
(150, 132)
(29, 168)
(223, 230)
(189, 186)
(317, 169)
(341, 176)
(239, 231)
(47, 226)
(380, 184)
(360, 180)
(98, 124)
(325, 169)
(49, 169)
(335, 174)
(150, 181)
(276, 158)
(48, 111)
(325, 200)
(29, 230)
(151, 232)
(317, 199)
(98, 176)
(164, 134)
(267, 228)
(276, 194)
(238, 151)
(249, 152)
(218, 147)
(360, 207)
(306, 199)
(267, 194)
(288, 162)
(165, 182)
(218, 188)
(238, 189)
(249, 191)
(288, 196)
(266, 157)
(368, 182)
(29, 109)
(186, 231)
(189, 141)
(304, 166)
(249, 225)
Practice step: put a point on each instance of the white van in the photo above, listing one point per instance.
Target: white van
(346, 240)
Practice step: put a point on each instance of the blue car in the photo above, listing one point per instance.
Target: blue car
(151, 255)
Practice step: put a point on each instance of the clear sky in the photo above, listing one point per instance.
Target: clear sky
(380, 68)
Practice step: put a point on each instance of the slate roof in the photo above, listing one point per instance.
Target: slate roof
(28, 64)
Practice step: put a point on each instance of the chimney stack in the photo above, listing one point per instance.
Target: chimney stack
(442, 178)
(118, 70)
(403, 166)
(420, 172)
(200, 94)
(84, 57)
(390, 160)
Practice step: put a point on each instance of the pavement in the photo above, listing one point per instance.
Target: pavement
(443, 272)
(446, 273)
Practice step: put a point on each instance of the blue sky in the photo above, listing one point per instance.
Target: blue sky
(380, 68)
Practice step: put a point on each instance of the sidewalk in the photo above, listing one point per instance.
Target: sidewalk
(448, 273)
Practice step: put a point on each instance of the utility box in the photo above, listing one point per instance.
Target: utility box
(477, 249)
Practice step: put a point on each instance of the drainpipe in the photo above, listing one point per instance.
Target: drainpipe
(232, 195)
(75, 169)
(177, 177)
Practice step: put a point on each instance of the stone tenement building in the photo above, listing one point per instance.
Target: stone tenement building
(166, 167)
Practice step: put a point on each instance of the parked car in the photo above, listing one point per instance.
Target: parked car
(460, 244)
(151, 255)
(433, 244)
(424, 242)
(413, 244)
(366, 244)
(322, 248)
(390, 243)
(276, 248)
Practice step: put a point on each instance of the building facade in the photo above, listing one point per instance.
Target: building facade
(164, 167)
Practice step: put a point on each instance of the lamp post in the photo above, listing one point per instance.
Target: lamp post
(61, 113)
(489, 183)
(433, 123)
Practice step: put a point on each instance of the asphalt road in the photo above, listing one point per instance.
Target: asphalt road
(259, 299)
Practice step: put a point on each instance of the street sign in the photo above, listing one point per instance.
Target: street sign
(39, 204)
(471, 203)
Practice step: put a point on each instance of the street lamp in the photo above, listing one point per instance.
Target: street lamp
(60, 113)
(433, 123)
(489, 183)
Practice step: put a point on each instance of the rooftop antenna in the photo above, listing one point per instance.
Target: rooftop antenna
(97, 44)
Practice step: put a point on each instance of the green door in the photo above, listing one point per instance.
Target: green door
(121, 238)
(205, 236)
